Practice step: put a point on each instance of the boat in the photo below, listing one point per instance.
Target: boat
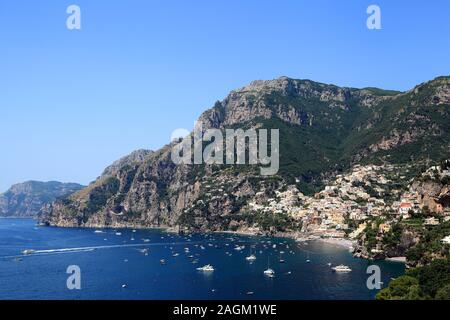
(118, 233)
(329, 264)
(341, 268)
(251, 257)
(207, 268)
(28, 251)
(162, 261)
(269, 272)
(175, 255)
(98, 231)
(281, 260)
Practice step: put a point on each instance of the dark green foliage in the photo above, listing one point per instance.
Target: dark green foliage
(402, 288)
(392, 238)
(427, 282)
(99, 195)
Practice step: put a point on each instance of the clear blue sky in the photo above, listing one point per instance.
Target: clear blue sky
(71, 102)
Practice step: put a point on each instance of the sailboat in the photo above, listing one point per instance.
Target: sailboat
(269, 272)
(251, 257)
(281, 258)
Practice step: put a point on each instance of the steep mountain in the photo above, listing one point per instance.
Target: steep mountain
(26, 199)
(324, 130)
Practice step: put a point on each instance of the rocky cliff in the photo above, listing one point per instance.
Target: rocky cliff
(26, 199)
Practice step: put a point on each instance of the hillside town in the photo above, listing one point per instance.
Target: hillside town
(354, 200)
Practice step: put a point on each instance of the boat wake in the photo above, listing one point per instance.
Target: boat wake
(30, 253)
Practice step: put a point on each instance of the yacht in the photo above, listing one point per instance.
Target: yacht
(270, 273)
(251, 257)
(207, 268)
(28, 251)
(341, 268)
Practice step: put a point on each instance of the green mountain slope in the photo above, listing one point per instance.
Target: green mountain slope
(324, 130)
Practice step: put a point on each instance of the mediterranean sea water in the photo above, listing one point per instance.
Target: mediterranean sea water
(114, 265)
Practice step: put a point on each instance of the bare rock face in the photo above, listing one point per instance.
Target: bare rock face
(433, 192)
(134, 157)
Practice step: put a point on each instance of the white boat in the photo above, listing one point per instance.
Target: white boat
(270, 273)
(251, 258)
(207, 268)
(98, 231)
(341, 268)
(118, 234)
(28, 251)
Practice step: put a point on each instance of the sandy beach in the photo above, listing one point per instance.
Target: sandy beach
(346, 243)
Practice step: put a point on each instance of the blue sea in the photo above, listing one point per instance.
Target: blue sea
(114, 265)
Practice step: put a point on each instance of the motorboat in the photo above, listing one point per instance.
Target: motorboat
(207, 268)
(341, 268)
(269, 272)
(251, 258)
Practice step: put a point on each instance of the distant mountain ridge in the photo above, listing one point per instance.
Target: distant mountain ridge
(26, 199)
(324, 130)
